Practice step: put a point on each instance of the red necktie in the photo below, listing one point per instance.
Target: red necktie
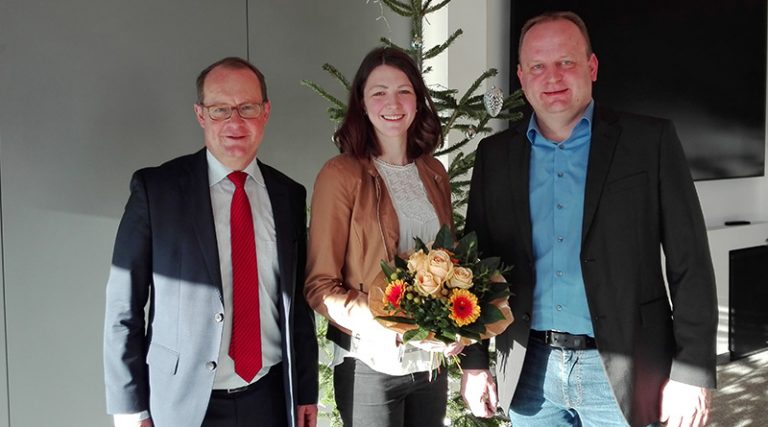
(245, 346)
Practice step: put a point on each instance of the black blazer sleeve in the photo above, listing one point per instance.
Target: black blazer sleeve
(476, 355)
(690, 276)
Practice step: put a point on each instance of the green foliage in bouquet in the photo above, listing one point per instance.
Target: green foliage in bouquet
(446, 291)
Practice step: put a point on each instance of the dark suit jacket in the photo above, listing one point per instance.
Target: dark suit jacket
(639, 197)
(166, 259)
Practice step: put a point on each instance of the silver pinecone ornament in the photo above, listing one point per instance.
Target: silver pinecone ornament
(493, 99)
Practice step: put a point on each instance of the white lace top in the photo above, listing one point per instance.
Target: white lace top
(415, 212)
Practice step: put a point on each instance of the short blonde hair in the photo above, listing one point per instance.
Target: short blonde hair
(555, 16)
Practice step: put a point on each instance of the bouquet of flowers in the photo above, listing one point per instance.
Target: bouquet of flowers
(443, 292)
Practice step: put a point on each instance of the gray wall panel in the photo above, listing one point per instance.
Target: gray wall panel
(91, 91)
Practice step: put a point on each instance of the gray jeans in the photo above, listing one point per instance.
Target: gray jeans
(367, 398)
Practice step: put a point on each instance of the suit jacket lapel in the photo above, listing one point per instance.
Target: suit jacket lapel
(197, 194)
(519, 182)
(605, 136)
(284, 231)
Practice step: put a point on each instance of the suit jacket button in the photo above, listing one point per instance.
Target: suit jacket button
(210, 365)
(526, 318)
(219, 317)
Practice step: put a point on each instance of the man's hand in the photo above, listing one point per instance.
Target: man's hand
(684, 405)
(132, 420)
(479, 392)
(307, 415)
(453, 349)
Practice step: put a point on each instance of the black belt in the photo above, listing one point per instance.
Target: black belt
(273, 375)
(564, 340)
(231, 392)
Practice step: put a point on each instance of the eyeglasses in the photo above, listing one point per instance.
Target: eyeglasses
(249, 110)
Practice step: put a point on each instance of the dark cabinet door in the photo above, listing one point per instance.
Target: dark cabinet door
(748, 311)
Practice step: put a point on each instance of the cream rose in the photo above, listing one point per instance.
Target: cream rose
(417, 262)
(461, 278)
(426, 284)
(440, 264)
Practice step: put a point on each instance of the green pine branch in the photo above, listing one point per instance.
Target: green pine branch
(335, 73)
(491, 72)
(460, 184)
(436, 7)
(457, 113)
(453, 147)
(337, 114)
(460, 165)
(399, 7)
(437, 50)
(389, 43)
(458, 223)
(443, 94)
(322, 92)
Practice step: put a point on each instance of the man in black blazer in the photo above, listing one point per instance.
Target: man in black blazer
(178, 275)
(581, 199)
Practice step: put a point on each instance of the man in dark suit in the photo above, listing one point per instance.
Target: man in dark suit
(581, 199)
(213, 245)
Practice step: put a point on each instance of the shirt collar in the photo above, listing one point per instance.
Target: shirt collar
(586, 119)
(217, 171)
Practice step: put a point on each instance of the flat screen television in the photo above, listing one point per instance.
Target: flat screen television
(701, 63)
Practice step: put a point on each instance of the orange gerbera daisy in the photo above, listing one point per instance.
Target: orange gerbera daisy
(394, 293)
(464, 308)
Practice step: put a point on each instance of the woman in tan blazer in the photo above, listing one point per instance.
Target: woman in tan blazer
(368, 204)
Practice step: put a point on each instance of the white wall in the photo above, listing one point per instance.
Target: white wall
(89, 91)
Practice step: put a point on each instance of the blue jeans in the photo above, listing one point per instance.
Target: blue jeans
(564, 388)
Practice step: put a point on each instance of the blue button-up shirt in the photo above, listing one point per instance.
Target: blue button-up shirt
(557, 178)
